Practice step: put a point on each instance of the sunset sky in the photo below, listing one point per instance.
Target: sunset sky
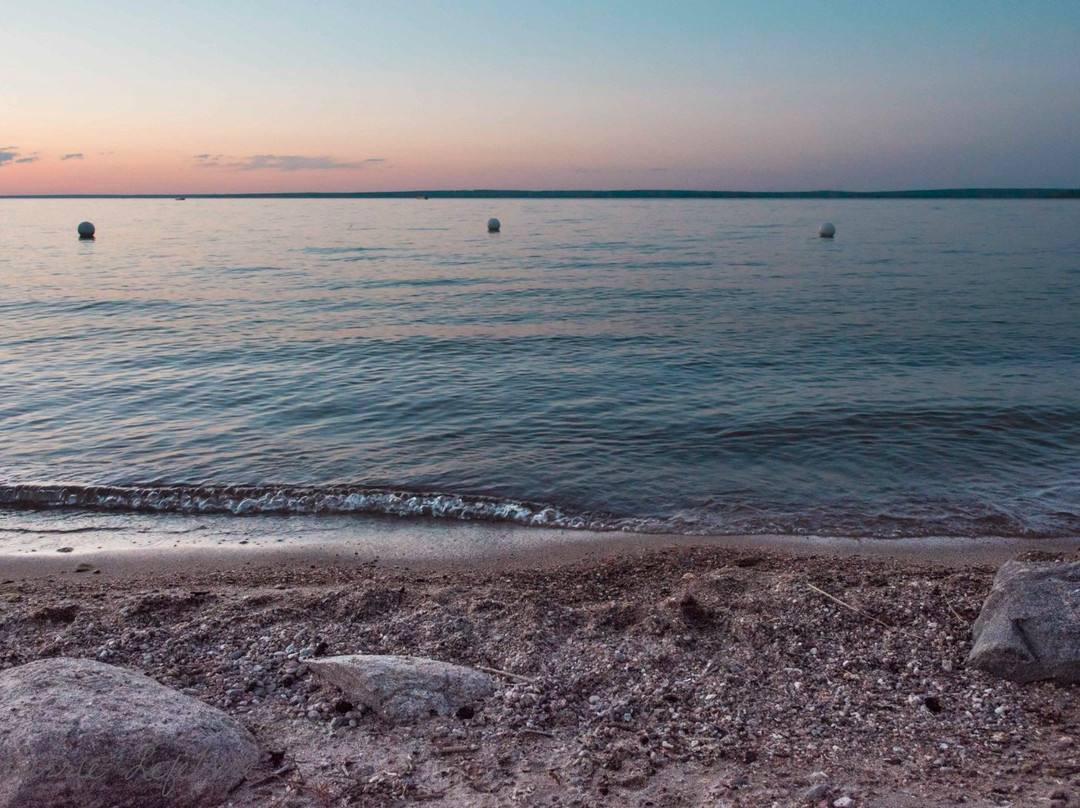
(231, 96)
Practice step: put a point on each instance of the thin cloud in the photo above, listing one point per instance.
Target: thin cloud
(72, 156)
(279, 162)
(32, 159)
(8, 154)
(294, 162)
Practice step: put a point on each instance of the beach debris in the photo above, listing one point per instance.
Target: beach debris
(816, 793)
(402, 689)
(1029, 626)
(78, 732)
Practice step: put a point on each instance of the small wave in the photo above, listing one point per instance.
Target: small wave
(913, 520)
(240, 500)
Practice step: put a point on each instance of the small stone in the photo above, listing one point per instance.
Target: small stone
(843, 802)
(815, 794)
(405, 689)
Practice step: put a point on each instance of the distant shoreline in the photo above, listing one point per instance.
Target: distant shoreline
(944, 193)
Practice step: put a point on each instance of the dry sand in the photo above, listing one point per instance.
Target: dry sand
(736, 673)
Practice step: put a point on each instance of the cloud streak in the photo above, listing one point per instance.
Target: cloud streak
(281, 162)
(12, 155)
(72, 156)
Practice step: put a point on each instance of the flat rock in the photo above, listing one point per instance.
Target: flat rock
(75, 732)
(403, 689)
(1029, 626)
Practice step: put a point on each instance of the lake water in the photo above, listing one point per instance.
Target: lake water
(686, 366)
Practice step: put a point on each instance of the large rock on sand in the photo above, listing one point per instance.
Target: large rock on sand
(403, 689)
(1029, 627)
(74, 732)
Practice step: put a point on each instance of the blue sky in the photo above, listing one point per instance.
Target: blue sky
(234, 96)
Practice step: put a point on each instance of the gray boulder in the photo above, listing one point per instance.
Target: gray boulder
(403, 689)
(75, 732)
(1029, 627)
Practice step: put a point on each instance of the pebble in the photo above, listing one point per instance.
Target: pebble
(843, 802)
(816, 793)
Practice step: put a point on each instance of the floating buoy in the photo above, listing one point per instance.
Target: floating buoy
(494, 225)
(86, 230)
(828, 230)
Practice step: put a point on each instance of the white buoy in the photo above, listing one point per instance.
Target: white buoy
(86, 230)
(494, 225)
(828, 230)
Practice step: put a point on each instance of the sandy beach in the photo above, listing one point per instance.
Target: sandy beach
(637, 671)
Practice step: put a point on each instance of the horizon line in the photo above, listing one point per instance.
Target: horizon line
(942, 193)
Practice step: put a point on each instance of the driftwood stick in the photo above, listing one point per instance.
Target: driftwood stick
(516, 676)
(859, 612)
(531, 731)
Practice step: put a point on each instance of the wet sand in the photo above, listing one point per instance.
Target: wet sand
(484, 547)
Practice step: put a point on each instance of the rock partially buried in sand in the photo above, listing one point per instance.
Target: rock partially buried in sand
(74, 732)
(403, 689)
(1029, 626)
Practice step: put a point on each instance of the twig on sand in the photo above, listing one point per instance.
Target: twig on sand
(860, 612)
(532, 731)
(956, 614)
(453, 750)
(516, 676)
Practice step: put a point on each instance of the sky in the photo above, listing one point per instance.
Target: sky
(145, 96)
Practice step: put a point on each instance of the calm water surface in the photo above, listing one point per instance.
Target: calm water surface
(669, 365)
